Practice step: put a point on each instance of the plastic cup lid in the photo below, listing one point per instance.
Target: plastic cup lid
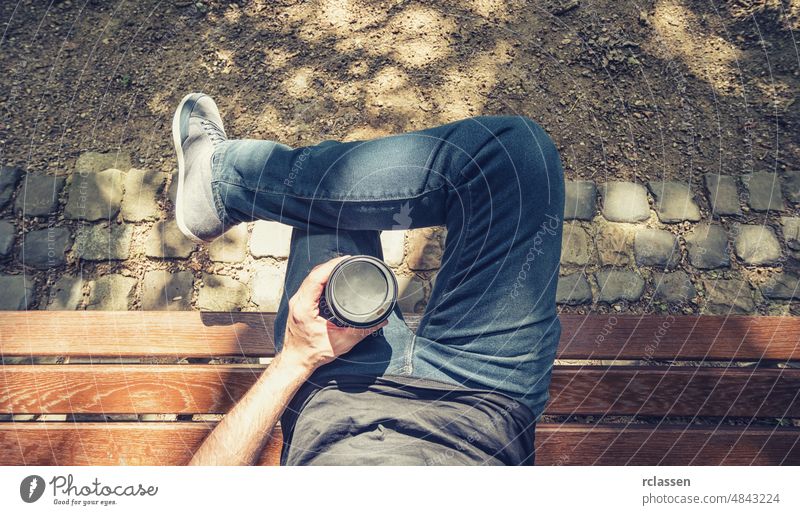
(362, 290)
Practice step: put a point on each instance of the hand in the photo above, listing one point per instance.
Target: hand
(311, 339)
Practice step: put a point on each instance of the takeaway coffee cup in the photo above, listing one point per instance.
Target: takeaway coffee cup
(361, 292)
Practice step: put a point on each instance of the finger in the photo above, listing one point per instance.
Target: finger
(358, 332)
(311, 288)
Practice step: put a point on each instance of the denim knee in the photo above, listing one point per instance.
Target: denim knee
(532, 154)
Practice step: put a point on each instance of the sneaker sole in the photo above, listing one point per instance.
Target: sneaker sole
(178, 142)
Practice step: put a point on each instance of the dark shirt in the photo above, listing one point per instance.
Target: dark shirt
(396, 420)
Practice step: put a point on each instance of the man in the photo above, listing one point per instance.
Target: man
(468, 386)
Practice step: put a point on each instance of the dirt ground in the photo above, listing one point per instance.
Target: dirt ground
(629, 90)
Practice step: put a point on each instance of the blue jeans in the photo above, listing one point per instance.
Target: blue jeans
(495, 182)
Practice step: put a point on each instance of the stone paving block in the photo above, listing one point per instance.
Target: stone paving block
(142, 188)
(674, 201)
(18, 292)
(231, 247)
(270, 239)
(167, 241)
(424, 249)
(708, 247)
(580, 198)
(673, 287)
(167, 291)
(113, 292)
(573, 289)
(66, 294)
(791, 183)
(656, 247)
(783, 286)
(411, 294)
(94, 196)
(9, 177)
(393, 244)
(757, 245)
(45, 248)
(7, 233)
(222, 293)
(267, 288)
(722, 194)
(791, 231)
(39, 195)
(576, 245)
(616, 285)
(614, 244)
(102, 242)
(764, 191)
(728, 296)
(92, 162)
(625, 202)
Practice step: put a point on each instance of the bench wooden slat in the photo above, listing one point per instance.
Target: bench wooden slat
(713, 338)
(135, 333)
(575, 444)
(653, 391)
(191, 333)
(675, 391)
(146, 443)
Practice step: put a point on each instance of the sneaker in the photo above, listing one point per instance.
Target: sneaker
(196, 131)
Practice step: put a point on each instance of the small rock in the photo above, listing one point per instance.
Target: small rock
(112, 292)
(424, 249)
(39, 195)
(94, 196)
(791, 231)
(728, 297)
(267, 288)
(614, 244)
(7, 233)
(573, 289)
(222, 293)
(93, 162)
(764, 191)
(674, 287)
(393, 243)
(231, 247)
(757, 245)
(411, 296)
(618, 285)
(66, 294)
(45, 248)
(163, 290)
(722, 194)
(18, 292)
(167, 241)
(141, 195)
(708, 247)
(579, 200)
(575, 245)
(104, 242)
(172, 190)
(783, 286)
(656, 247)
(625, 202)
(270, 239)
(674, 201)
(9, 177)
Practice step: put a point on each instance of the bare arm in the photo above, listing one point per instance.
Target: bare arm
(310, 341)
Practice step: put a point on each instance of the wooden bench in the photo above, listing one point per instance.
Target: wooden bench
(603, 413)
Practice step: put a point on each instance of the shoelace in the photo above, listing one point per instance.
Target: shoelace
(216, 134)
